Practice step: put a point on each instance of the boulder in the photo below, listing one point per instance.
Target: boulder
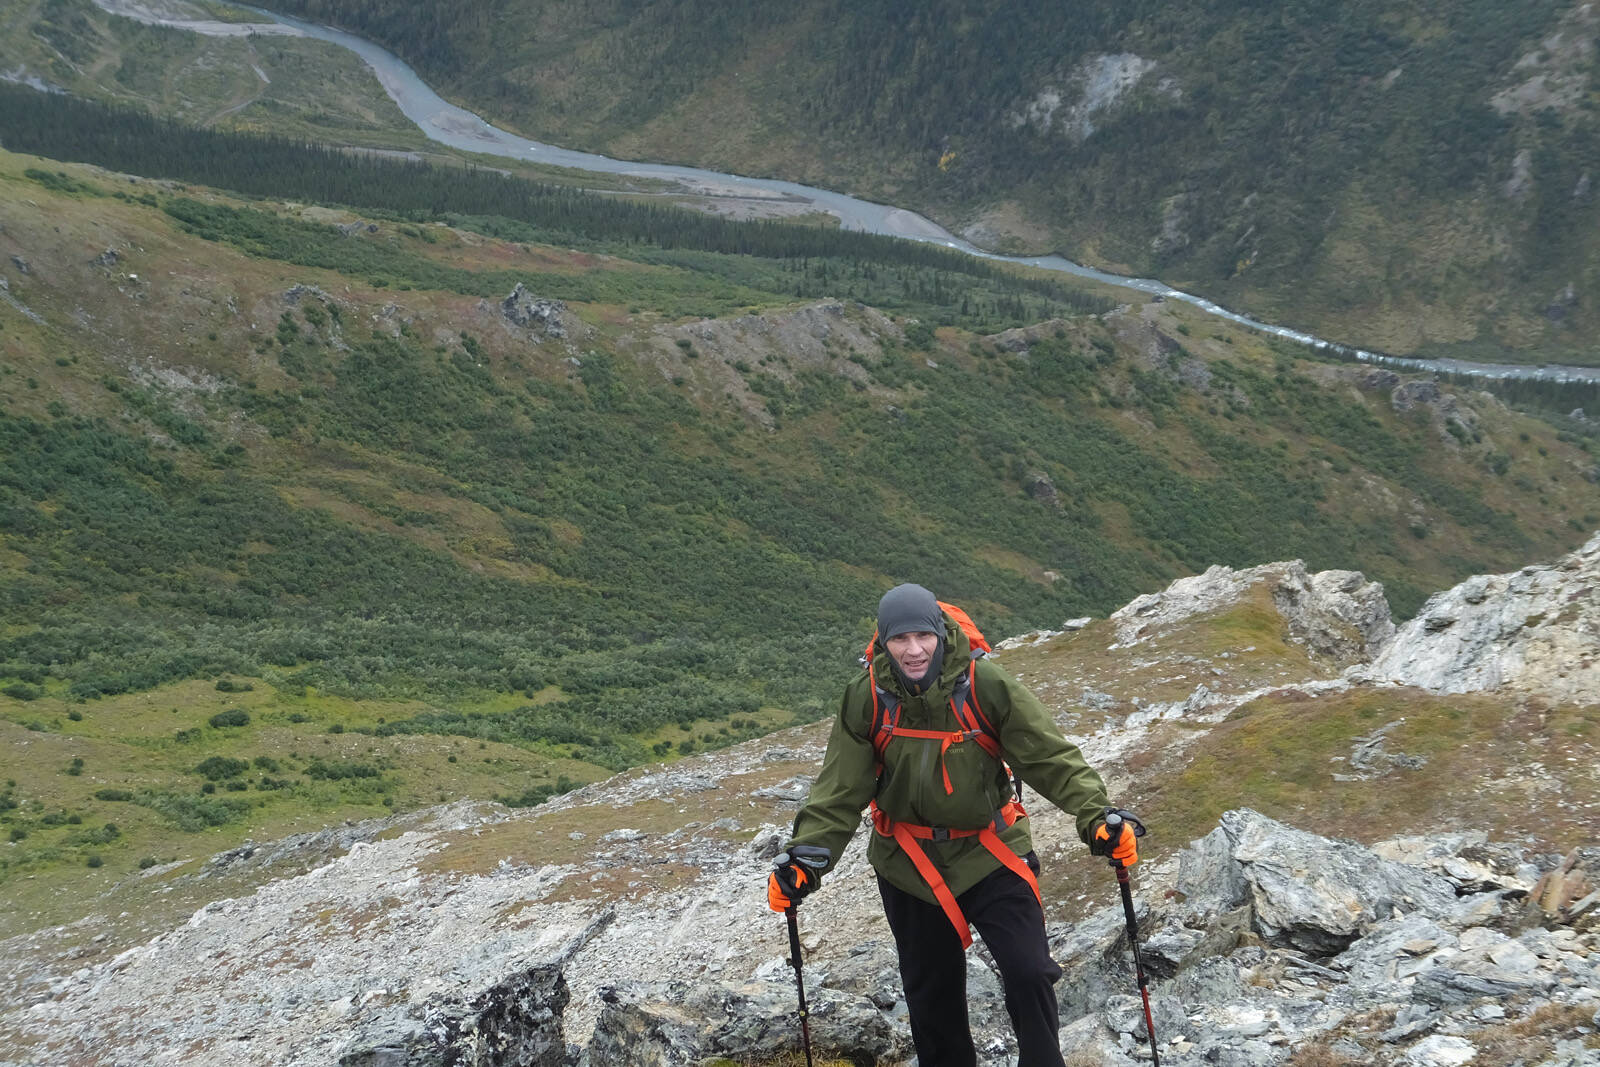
(1467, 859)
(1394, 953)
(1319, 895)
(1335, 613)
(676, 1024)
(513, 1023)
(1332, 613)
(522, 308)
(1094, 960)
(1533, 631)
(1441, 1051)
(1039, 487)
(1570, 893)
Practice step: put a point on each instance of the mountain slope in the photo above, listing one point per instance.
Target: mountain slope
(367, 483)
(1418, 183)
(632, 909)
(292, 86)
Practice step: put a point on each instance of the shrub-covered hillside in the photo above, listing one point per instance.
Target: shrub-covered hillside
(1417, 181)
(303, 510)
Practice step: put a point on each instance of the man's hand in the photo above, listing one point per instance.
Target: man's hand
(1116, 836)
(796, 873)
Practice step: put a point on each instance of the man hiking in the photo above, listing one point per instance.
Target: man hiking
(924, 735)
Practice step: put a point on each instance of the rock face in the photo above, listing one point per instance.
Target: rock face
(522, 308)
(685, 1023)
(1269, 938)
(1535, 631)
(1333, 613)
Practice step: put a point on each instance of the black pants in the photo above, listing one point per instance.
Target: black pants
(933, 968)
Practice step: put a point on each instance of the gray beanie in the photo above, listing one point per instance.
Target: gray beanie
(908, 609)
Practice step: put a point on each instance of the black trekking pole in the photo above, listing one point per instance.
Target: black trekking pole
(809, 861)
(1113, 821)
(799, 982)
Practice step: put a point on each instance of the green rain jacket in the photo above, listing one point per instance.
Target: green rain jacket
(911, 787)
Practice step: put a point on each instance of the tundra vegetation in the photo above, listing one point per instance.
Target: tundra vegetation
(297, 523)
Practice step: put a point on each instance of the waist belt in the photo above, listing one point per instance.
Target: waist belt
(909, 837)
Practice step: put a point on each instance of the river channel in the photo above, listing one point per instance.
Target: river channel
(448, 124)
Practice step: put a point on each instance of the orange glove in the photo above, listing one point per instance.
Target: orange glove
(1117, 837)
(798, 872)
(781, 897)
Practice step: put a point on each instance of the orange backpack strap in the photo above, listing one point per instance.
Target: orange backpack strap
(930, 874)
(885, 715)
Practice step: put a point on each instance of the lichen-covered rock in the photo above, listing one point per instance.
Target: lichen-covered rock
(1536, 630)
(1333, 613)
(522, 308)
(676, 1024)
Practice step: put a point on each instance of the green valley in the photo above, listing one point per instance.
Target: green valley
(1416, 182)
(311, 511)
(428, 576)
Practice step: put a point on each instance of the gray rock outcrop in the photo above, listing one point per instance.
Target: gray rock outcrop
(1039, 487)
(1313, 894)
(1333, 613)
(298, 291)
(1536, 630)
(1453, 422)
(516, 1022)
(536, 314)
(682, 1023)
(1260, 940)
(1269, 939)
(623, 923)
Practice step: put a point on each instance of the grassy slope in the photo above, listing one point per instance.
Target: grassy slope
(1521, 769)
(291, 86)
(1483, 771)
(537, 546)
(1345, 168)
(295, 87)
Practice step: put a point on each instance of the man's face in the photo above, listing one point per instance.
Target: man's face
(913, 652)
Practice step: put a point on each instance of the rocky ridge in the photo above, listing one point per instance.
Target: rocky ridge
(829, 336)
(624, 924)
(1333, 613)
(1536, 630)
